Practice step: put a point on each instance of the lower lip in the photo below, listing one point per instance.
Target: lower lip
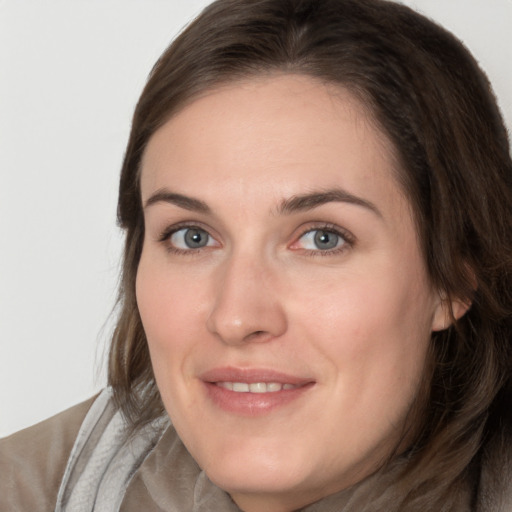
(253, 404)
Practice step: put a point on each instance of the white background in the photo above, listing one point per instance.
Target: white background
(70, 75)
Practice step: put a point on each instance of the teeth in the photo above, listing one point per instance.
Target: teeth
(255, 387)
(258, 387)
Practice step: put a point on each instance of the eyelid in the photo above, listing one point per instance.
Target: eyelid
(169, 229)
(343, 233)
(166, 234)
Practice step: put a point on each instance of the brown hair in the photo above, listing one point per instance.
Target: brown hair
(429, 96)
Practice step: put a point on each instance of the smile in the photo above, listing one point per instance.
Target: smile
(255, 387)
(253, 391)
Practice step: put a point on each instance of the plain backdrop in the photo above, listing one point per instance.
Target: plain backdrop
(70, 75)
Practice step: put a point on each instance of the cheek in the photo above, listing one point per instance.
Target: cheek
(373, 324)
(168, 304)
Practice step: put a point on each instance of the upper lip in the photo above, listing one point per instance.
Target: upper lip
(252, 375)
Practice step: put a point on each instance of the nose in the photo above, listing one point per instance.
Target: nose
(247, 306)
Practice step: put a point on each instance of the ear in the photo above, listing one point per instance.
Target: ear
(448, 311)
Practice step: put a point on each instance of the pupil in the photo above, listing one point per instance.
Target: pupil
(326, 240)
(195, 238)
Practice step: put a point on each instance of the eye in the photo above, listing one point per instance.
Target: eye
(322, 240)
(190, 238)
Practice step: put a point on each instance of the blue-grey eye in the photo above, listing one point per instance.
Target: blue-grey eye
(190, 238)
(321, 240)
(326, 239)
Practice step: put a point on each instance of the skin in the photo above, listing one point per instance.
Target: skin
(355, 320)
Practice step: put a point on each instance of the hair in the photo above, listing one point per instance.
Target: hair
(428, 95)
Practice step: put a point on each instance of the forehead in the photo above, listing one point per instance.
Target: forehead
(275, 133)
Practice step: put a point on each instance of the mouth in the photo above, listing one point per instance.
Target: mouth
(251, 392)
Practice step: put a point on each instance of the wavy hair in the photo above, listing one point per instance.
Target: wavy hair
(427, 93)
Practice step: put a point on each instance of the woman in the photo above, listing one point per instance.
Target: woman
(315, 302)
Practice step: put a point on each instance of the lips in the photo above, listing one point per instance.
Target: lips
(251, 392)
(252, 375)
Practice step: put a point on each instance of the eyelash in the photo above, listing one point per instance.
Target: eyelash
(347, 238)
(166, 235)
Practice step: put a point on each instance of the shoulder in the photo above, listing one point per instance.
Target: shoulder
(33, 460)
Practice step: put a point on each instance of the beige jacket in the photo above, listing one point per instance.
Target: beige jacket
(167, 479)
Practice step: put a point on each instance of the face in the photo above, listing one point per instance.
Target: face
(282, 289)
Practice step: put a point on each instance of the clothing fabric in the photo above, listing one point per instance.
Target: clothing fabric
(33, 461)
(85, 460)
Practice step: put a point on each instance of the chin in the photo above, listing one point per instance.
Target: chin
(270, 488)
(241, 471)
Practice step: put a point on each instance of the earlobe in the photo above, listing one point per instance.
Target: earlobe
(447, 312)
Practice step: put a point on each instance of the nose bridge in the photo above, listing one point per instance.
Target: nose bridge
(247, 305)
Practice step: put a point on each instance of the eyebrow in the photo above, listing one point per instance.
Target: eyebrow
(312, 200)
(300, 203)
(186, 202)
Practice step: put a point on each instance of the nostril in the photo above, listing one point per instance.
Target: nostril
(255, 335)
